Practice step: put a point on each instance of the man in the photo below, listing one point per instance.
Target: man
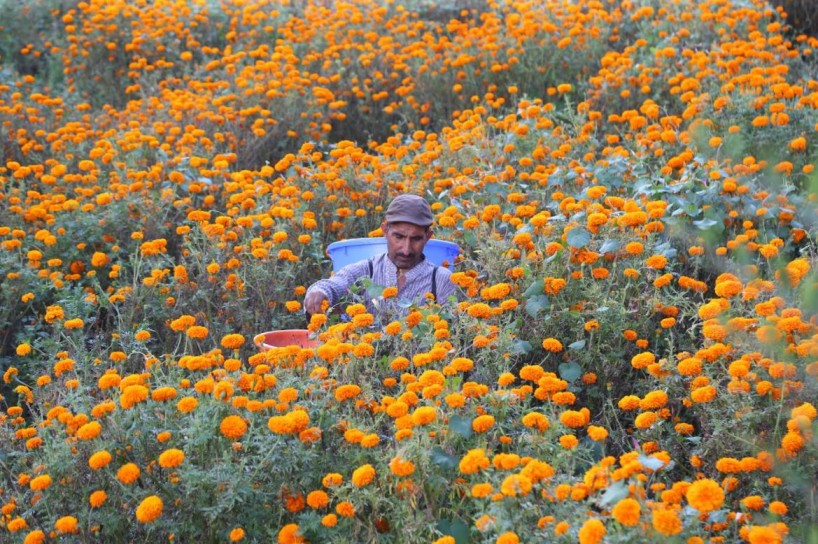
(407, 228)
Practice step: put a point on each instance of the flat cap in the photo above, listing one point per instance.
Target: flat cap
(410, 209)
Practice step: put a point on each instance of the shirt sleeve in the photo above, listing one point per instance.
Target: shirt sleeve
(445, 287)
(336, 286)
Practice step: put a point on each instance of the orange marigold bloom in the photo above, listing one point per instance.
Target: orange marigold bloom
(483, 423)
(99, 459)
(149, 509)
(128, 473)
(666, 522)
(197, 332)
(363, 475)
(657, 262)
(171, 458)
(317, 499)
(705, 495)
(592, 532)
(89, 431)
(627, 512)
(232, 341)
(97, 498)
(67, 525)
(552, 344)
(233, 427)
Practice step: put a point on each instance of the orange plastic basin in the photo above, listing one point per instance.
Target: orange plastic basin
(286, 337)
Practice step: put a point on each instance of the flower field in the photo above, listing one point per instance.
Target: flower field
(633, 355)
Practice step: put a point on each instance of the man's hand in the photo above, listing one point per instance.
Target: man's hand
(314, 302)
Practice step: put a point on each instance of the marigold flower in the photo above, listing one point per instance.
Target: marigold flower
(149, 509)
(128, 473)
(627, 512)
(705, 495)
(171, 458)
(97, 498)
(552, 345)
(67, 525)
(666, 522)
(592, 532)
(237, 534)
(40, 483)
(89, 431)
(99, 459)
(363, 475)
(483, 423)
(232, 341)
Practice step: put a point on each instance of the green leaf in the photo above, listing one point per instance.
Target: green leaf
(579, 344)
(578, 237)
(570, 371)
(521, 347)
(456, 528)
(443, 459)
(615, 493)
(536, 288)
(705, 224)
(651, 463)
(461, 426)
(536, 304)
(609, 246)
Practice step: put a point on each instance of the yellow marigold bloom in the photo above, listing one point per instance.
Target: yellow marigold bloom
(232, 341)
(705, 495)
(666, 522)
(99, 459)
(89, 431)
(66, 525)
(627, 512)
(23, 349)
(233, 427)
(592, 532)
(54, 313)
(363, 475)
(171, 458)
(149, 509)
(552, 345)
(128, 473)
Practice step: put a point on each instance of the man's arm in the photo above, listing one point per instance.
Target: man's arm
(335, 287)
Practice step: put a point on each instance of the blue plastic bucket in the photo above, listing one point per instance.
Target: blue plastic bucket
(344, 252)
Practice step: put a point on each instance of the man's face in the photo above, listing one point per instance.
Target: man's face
(405, 242)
